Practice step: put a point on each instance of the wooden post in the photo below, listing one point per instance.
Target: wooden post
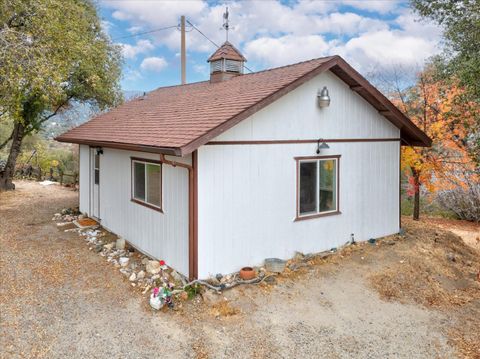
(60, 173)
(182, 50)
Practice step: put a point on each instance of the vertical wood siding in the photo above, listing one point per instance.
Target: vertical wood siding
(161, 235)
(297, 116)
(247, 193)
(84, 179)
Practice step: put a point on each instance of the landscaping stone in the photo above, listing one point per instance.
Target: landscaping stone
(123, 261)
(133, 277)
(178, 277)
(298, 256)
(451, 257)
(145, 260)
(141, 275)
(271, 280)
(109, 246)
(153, 267)
(120, 244)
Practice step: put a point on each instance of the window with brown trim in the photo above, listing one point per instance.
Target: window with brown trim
(147, 183)
(317, 186)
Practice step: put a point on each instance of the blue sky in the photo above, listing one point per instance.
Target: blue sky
(370, 35)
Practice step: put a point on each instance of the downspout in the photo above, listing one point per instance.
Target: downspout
(192, 212)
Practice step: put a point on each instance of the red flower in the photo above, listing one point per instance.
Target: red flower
(162, 262)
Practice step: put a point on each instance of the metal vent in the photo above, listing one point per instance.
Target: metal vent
(216, 66)
(233, 66)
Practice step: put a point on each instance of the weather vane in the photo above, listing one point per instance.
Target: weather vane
(226, 25)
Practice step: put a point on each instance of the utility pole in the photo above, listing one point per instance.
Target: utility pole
(183, 51)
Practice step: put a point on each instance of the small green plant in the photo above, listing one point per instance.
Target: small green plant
(192, 290)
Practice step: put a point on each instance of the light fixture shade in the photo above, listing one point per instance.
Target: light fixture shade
(321, 146)
(323, 97)
(324, 146)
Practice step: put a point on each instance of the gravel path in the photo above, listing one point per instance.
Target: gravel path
(58, 299)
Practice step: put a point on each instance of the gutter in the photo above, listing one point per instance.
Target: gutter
(123, 146)
(192, 212)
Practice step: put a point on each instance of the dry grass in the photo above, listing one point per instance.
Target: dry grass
(468, 346)
(428, 275)
(438, 271)
(200, 350)
(224, 309)
(87, 222)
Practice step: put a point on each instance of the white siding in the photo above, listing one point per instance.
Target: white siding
(247, 193)
(161, 235)
(84, 179)
(297, 116)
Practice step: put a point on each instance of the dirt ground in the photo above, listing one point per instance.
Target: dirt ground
(58, 299)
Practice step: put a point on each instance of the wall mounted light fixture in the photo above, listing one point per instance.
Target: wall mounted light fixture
(321, 146)
(323, 97)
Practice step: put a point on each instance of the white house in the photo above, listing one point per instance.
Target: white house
(216, 175)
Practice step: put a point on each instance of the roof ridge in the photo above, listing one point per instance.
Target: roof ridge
(249, 74)
(290, 65)
(179, 85)
(179, 118)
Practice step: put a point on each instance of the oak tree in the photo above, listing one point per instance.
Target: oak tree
(52, 52)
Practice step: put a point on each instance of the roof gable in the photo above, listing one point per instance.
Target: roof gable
(179, 119)
(227, 51)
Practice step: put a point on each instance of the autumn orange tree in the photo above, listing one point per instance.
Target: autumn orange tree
(439, 108)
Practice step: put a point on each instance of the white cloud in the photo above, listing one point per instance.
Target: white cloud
(141, 47)
(380, 6)
(387, 47)
(134, 29)
(106, 25)
(272, 33)
(154, 64)
(154, 13)
(286, 49)
(132, 75)
(201, 69)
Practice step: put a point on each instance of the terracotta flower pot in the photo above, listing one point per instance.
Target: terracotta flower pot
(247, 273)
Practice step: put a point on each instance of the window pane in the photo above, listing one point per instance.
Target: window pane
(97, 176)
(328, 184)
(139, 180)
(308, 187)
(153, 184)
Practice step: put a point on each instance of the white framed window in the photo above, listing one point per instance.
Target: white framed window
(147, 183)
(317, 186)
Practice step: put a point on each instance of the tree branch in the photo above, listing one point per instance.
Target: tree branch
(4, 143)
(46, 118)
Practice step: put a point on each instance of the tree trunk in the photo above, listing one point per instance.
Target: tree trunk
(6, 176)
(416, 199)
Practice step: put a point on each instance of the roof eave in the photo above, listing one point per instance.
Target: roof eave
(174, 151)
(416, 136)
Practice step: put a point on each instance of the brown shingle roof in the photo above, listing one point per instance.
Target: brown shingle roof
(179, 119)
(227, 51)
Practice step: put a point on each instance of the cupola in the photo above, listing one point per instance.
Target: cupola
(225, 63)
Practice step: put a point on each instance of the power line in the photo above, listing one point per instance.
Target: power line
(145, 33)
(171, 27)
(201, 33)
(205, 36)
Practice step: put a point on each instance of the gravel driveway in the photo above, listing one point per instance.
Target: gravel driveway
(58, 299)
